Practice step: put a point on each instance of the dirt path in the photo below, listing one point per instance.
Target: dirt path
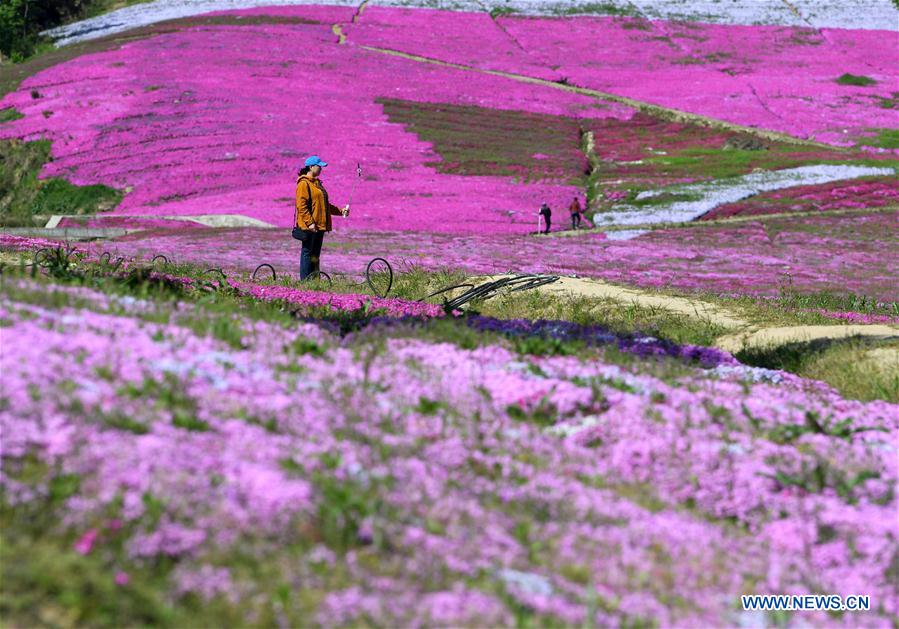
(209, 220)
(885, 360)
(598, 289)
(742, 334)
(773, 337)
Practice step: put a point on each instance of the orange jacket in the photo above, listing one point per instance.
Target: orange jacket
(312, 205)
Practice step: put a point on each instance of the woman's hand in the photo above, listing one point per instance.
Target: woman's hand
(345, 210)
(314, 228)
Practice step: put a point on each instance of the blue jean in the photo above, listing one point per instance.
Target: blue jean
(309, 256)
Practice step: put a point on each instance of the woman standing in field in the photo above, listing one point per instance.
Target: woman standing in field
(313, 214)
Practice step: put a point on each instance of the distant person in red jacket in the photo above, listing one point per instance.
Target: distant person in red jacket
(575, 209)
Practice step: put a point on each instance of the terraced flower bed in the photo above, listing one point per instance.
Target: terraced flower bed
(136, 118)
(840, 195)
(479, 141)
(141, 117)
(742, 74)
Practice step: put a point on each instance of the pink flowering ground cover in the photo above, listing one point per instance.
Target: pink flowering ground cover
(857, 317)
(770, 77)
(346, 302)
(149, 117)
(11, 242)
(855, 253)
(398, 481)
(840, 195)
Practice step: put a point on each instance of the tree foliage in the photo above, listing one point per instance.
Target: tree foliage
(21, 22)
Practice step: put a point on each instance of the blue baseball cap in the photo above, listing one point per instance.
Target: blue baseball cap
(314, 160)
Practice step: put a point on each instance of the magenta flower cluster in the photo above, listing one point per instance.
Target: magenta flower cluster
(346, 302)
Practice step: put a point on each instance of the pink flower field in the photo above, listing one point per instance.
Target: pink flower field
(163, 119)
(777, 78)
(820, 198)
(191, 436)
(351, 470)
(205, 148)
(748, 258)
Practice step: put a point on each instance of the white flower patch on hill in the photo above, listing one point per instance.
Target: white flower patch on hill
(704, 197)
(870, 14)
(864, 14)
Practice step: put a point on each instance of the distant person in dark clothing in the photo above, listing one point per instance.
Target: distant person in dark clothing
(575, 209)
(546, 213)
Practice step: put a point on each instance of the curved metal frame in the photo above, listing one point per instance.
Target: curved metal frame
(319, 276)
(274, 274)
(219, 271)
(45, 250)
(487, 290)
(446, 290)
(371, 284)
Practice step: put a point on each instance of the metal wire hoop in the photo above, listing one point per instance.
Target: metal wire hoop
(368, 276)
(265, 264)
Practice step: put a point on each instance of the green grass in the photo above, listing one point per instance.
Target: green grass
(496, 12)
(845, 364)
(23, 195)
(723, 163)
(46, 583)
(618, 317)
(601, 8)
(842, 302)
(9, 114)
(479, 141)
(888, 103)
(885, 139)
(792, 307)
(855, 79)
